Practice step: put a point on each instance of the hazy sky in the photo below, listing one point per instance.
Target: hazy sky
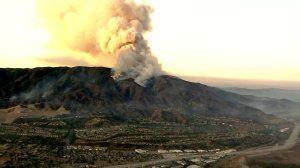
(252, 39)
(243, 39)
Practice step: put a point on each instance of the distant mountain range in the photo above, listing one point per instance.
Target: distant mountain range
(284, 103)
(90, 90)
(293, 95)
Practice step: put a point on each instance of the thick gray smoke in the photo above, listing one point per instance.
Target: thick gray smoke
(110, 30)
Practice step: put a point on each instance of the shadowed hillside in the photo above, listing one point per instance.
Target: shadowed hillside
(82, 90)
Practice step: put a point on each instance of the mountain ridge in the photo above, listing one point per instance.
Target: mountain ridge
(82, 90)
(275, 93)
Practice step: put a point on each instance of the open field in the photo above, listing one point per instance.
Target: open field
(8, 115)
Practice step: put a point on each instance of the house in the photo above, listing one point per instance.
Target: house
(140, 151)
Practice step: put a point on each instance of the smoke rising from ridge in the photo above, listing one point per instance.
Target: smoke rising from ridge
(111, 30)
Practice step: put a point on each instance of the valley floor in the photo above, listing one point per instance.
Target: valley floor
(285, 155)
(276, 156)
(101, 140)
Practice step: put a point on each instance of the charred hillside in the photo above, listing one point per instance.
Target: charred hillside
(82, 90)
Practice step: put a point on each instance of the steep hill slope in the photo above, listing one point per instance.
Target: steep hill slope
(86, 90)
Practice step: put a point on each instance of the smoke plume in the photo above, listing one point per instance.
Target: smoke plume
(110, 30)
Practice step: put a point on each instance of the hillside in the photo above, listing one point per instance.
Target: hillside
(87, 90)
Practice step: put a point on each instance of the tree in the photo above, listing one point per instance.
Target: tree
(71, 138)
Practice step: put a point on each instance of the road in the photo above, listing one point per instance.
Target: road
(160, 161)
(290, 142)
(165, 160)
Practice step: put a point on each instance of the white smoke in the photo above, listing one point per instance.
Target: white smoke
(111, 30)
